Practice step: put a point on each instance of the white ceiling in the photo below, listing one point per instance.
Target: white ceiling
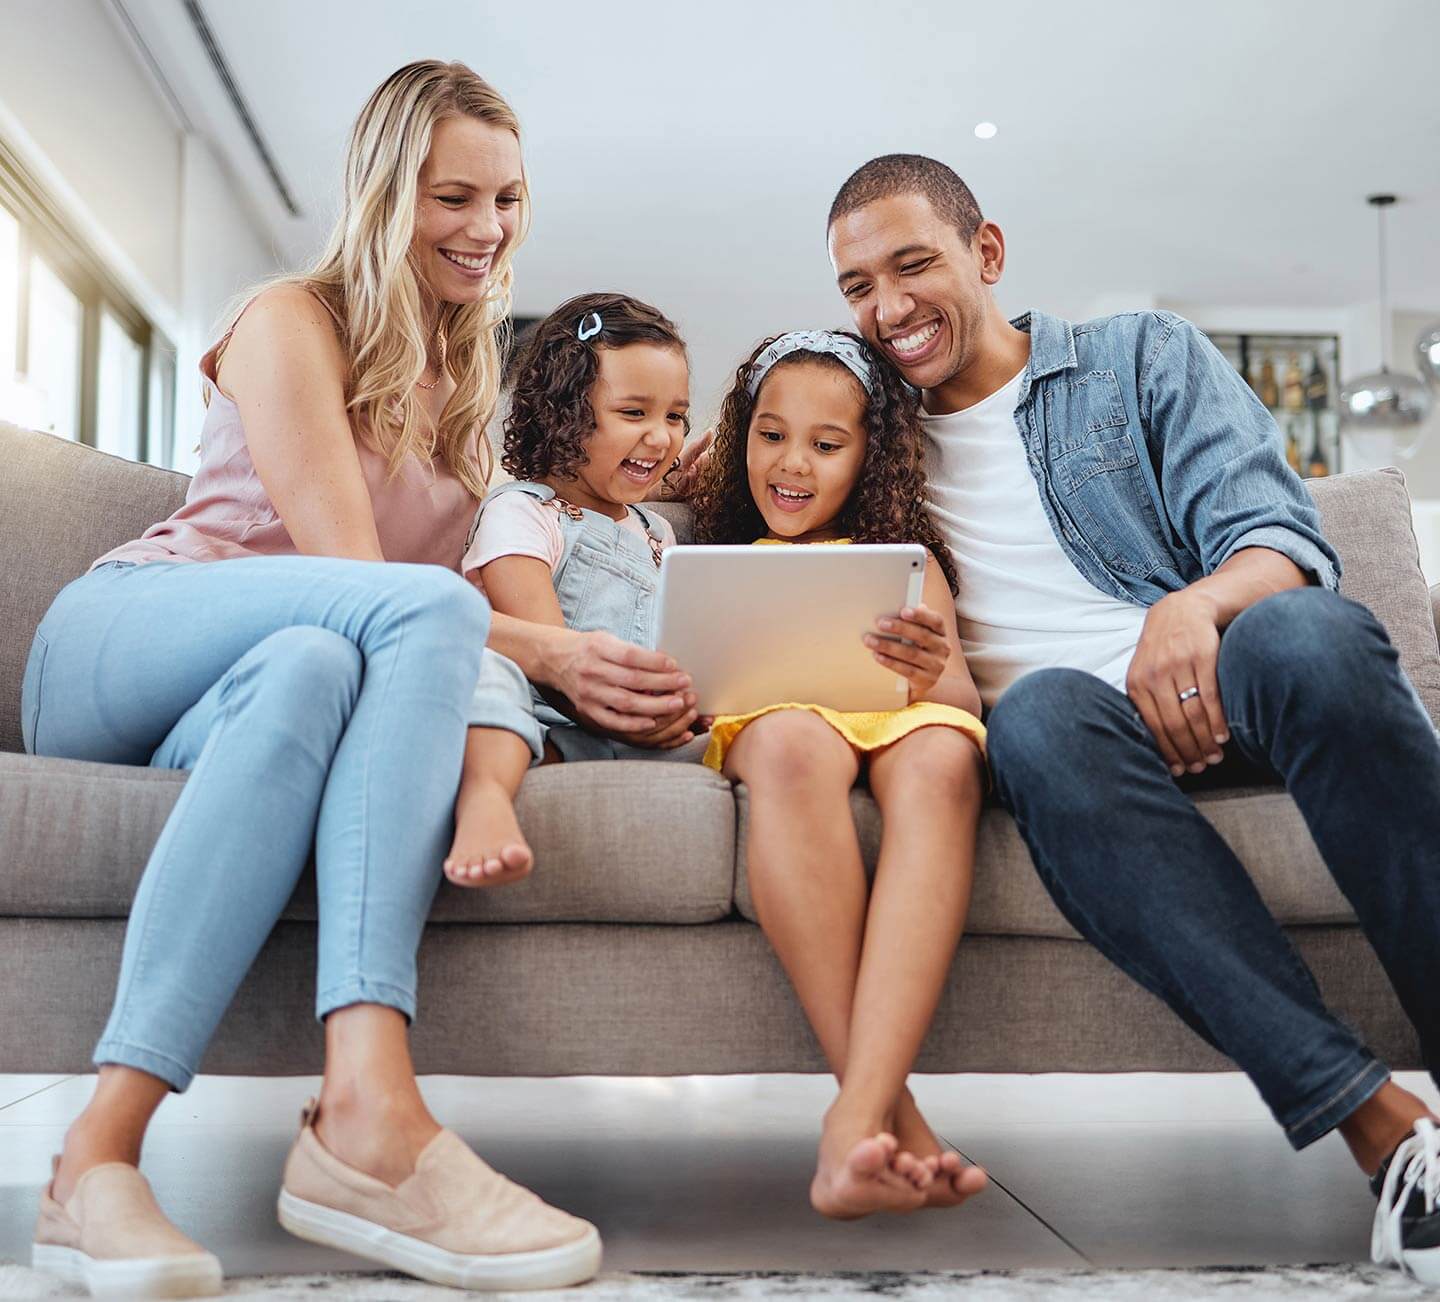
(1216, 152)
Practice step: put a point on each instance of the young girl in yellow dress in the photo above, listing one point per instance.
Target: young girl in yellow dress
(819, 442)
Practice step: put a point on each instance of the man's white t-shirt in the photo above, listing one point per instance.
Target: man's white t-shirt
(1022, 605)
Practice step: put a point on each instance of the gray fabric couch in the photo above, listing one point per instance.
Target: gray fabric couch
(632, 948)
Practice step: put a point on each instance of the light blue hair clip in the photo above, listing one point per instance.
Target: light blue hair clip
(590, 326)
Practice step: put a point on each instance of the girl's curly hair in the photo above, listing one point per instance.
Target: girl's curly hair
(887, 503)
(552, 373)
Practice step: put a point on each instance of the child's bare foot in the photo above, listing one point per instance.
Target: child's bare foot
(489, 848)
(954, 1180)
(862, 1170)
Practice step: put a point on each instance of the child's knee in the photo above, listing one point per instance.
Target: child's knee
(788, 745)
(940, 761)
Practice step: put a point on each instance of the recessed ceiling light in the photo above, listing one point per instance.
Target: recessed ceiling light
(986, 130)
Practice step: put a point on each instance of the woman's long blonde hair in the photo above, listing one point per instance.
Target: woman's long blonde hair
(368, 278)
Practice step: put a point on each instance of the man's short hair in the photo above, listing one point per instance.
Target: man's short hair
(893, 174)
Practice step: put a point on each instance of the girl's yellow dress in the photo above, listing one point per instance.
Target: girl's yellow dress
(864, 730)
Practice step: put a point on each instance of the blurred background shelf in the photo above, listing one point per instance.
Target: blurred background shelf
(1297, 377)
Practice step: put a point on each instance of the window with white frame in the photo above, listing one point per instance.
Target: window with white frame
(78, 358)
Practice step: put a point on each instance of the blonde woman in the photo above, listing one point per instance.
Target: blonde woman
(317, 698)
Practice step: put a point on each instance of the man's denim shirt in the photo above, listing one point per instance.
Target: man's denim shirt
(1154, 460)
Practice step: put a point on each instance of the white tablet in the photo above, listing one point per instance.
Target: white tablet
(758, 626)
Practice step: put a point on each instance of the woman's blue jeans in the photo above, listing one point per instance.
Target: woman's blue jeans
(1315, 697)
(315, 702)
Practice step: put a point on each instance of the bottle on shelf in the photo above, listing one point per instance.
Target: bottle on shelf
(1318, 467)
(1317, 387)
(1294, 393)
(1250, 372)
(1268, 390)
(1292, 447)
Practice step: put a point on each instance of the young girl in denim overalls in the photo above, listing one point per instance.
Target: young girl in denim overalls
(599, 405)
(605, 580)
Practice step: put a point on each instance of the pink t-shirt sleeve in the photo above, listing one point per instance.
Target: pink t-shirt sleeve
(514, 524)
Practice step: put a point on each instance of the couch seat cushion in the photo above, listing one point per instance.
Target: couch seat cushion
(1262, 826)
(614, 842)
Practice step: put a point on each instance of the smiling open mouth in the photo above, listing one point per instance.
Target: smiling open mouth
(467, 261)
(638, 470)
(911, 347)
(790, 499)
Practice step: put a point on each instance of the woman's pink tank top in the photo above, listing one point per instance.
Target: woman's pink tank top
(422, 515)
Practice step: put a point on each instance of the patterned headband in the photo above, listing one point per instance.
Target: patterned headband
(839, 346)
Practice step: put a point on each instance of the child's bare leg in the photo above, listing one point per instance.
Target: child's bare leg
(808, 884)
(489, 848)
(929, 787)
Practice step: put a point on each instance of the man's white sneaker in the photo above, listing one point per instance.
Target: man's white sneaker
(1407, 1219)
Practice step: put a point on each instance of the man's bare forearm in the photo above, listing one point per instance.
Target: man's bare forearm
(1250, 575)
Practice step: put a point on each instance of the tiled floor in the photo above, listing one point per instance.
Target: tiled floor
(710, 1173)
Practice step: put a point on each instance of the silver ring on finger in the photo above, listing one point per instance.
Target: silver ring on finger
(1189, 694)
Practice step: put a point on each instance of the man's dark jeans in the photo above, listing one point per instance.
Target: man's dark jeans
(1315, 698)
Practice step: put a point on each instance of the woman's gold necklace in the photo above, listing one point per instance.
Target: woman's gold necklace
(439, 369)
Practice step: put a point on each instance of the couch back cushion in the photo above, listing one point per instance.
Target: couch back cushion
(61, 506)
(1366, 517)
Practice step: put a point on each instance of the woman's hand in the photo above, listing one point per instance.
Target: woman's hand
(914, 645)
(620, 689)
(675, 730)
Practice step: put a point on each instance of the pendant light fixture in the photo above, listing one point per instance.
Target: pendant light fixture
(1384, 400)
(1427, 355)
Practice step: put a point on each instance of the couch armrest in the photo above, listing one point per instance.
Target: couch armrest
(1435, 605)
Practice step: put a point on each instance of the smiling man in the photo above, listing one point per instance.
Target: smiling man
(1146, 597)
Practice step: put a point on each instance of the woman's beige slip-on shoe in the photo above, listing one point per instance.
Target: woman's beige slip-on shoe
(455, 1221)
(112, 1238)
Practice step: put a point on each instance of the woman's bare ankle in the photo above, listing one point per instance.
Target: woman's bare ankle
(88, 1145)
(379, 1131)
(372, 1115)
(112, 1126)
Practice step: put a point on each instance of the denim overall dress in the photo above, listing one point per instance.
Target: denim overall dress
(606, 580)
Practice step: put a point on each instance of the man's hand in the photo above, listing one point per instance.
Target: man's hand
(618, 688)
(912, 644)
(680, 486)
(1179, 649)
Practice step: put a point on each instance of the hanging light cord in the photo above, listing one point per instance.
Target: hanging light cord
(1382, 202)
(1384, 280)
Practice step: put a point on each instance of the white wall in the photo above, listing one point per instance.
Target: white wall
(86, 115)
(220, 255)
(67, 76)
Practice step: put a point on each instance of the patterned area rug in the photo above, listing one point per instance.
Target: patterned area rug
(1334, 1283)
